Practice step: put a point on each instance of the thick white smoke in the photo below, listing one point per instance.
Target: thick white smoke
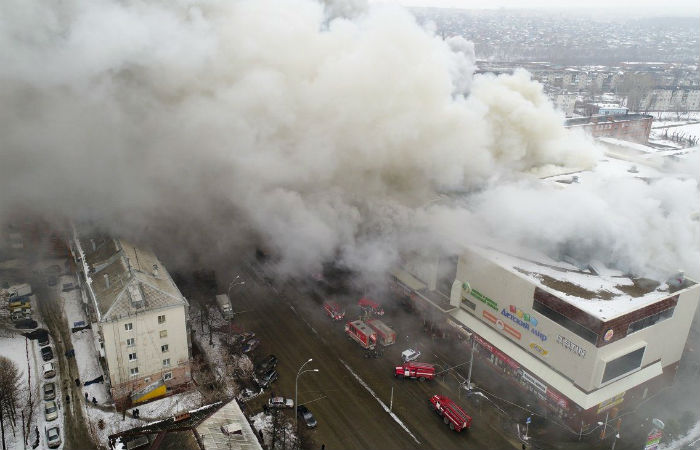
(324, 129)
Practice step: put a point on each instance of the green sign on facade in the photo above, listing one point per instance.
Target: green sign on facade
(479, 296)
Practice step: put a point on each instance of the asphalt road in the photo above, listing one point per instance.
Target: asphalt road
(293, 327)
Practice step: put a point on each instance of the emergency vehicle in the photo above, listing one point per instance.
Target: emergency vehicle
(452, 414)
(385, 335)
(422, 371)
(370, 306)
(334, 311)
(363, 334)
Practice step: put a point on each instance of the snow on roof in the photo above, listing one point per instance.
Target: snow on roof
(126, 279)
(603, 293)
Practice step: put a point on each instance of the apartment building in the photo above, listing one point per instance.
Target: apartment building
(628, 127)
(139, 315)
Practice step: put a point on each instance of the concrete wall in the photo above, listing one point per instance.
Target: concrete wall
(563, 350)
(147, 346)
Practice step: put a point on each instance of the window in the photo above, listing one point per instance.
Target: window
(623, 365)
(650, 320)
(132, 356)
(469, 303)
(161, 319)
(166, 362)
(134, 371)
(164, 348)
(128, 326)
(565, 322)
(167, 376)
(130, 342)
(163, 333)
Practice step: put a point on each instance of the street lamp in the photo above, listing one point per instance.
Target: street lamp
(234, 283)
(296, 385)
(617, 436)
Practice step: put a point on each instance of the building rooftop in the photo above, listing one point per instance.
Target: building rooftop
(601, 292)
(227, 429)
(126, 280)
(579, 121)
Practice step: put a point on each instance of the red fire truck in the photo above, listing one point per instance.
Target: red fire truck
(363, 334)
(334, 310)
(370, 306)
(451, 412)
(422, 371)
(385, 335)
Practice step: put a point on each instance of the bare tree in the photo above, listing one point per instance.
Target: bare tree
(10, 378)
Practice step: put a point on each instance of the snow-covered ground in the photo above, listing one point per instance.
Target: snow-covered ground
(26, 355)
(670, 118)
(218, 356)
(86, 355)
(691, 437)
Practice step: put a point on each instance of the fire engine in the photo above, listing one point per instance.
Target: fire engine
(385, 335)
(452, 414)
(363, 334)
(334, 310)
(422, 371)
(370, 306)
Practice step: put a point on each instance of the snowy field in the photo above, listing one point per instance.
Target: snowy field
(26, 355)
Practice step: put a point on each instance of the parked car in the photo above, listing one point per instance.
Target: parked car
(280, 402)
(267, 378)
(43, 339)
(49, 370)
(50, 410)
(248, 393)
(410, 355)
(251, 345)
(243, 337)
(53, 437)
(49, 391)
(46, 353)
(25, 323)
(306, 416)
(19, 316)
(269, 362)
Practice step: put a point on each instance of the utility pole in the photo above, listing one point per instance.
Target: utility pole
(527, 426)
(471, 364)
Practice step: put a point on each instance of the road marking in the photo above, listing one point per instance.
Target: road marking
(386, 408)
(307, 323)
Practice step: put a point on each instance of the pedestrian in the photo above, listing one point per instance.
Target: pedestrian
(86, 396)
(67, 399)
(94, 401)
(77, 382)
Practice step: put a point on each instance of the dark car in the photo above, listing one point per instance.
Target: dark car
(267, 378)
(269, 362)
(26, 324)
(306, 416)
(243, 337)
(46, 353)
(251, 345)
(43, 339)
(49, 391)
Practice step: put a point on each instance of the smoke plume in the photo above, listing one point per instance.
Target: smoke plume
(325, 130)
